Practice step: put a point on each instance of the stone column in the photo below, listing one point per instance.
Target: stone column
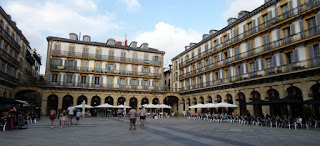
(138, 103)
(266, 108)
(44, 104)
(180, 107)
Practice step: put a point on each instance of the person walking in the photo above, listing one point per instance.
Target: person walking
(78, 117)
(142, 116)
(53, 115)
(71, 110)
(184, 114)
(132, 116)
(61, 117)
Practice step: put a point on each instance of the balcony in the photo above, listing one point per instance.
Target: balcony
(301, 66)
(7, 77)
(12, 41)
(272, 46)
(103, 57)
(9, 57)
(104, 71)
(275, 21)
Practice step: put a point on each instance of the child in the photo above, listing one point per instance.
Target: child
(155, 118)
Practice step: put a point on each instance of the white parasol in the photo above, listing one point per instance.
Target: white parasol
(223, 104)
(81, 106)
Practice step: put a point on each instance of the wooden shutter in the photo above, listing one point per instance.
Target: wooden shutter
(65, 62)
(301, 26)
(311, 52)
(244, 29)
(276, 11)
(238, 71)
(59, 78)
(61, 62)
(127, 82)
(278, 34)
(79, 79)
(262, 63)
(270, 15)
(273, 61)
(292, 29)
(290, 6)
(318, 19)
(281, 58)
(92, 80)
(259, 23)
(241, 68)
(118, 81)
(295, 55)
(247, 70)
(256, 65)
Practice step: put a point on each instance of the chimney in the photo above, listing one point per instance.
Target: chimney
(133, 44)
(170, 65)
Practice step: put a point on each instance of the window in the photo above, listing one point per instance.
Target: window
(96, 80)
(84, 65)
(253, 67)
(55, 61)
(71, 49)
(265, 19)
(83, 79)
(268, 62)
(199, 51)
(156, 83)
(134, 82)
(156, 58)
(316, 51)
(289, 57)
(311, 26)
(206, 47)
(57, 47)
(123, 68)
(70, 63)
(284, 9)
(135, 56)
(98, 65)
(69, 78)
(156, 71)
(286, 32)
(110, 67)
(54, 78)
(12, 70)
(192, 54)
(123, 56)
(146, 57)
(225, 38)
(122, 82)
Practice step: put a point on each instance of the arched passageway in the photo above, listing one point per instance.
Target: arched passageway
(81, 99)
(242, 100)
(67, 101)
(314, 104)
(52, 103)
(219, 99)
(121, 101)
(294, 109)
(144, 100)
(257, 109)
(95, 101)
(275, 109)
(31, 96)
(108, 100)
(184, 105)
(155, 101)
(194, 103)
(229, 100)
(133, 103)
(172, 101)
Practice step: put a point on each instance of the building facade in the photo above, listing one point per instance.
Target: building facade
(18, 62)
(268, 54)
(99, 73)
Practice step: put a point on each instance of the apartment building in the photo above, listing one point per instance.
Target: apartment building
(18, 62)
(269, 54)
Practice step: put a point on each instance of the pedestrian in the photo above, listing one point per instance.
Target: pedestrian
(142, 116)
(61, 117)
(184, 113)
(65, 120)
(133, 116)
(155, 118)
(78, 117)
(71, 110)
(52, 116)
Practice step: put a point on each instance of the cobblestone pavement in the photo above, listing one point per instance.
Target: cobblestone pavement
(173, 131)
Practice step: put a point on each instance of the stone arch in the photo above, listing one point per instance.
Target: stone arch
(108, 100)
(155, 100)
(188, 101)
(294, 93)
(209, 99)
(5, 94)
(273, 94)
(201, 100)
(33, 97)
(257, 109)
(229, 100)
(95, 101)
(173, 101)
(133, 102)
(144, 100)
(219, 99)
(10, 95)
(67, 101)
(121, 101)
(314, 93)
(82, 98)
(241, 98)
(184, 104)
(52, 103)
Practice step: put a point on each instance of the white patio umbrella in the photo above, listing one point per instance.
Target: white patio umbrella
(122, 106)
(209, 105)
(163, 106)
(105, 106)
(223, 104)
(198, 106)
(81, 106)
(25, 103)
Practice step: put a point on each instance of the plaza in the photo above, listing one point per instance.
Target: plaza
(168, 131)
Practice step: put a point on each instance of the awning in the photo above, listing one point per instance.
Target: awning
(256, 102)
(4, 100)
(285, 100)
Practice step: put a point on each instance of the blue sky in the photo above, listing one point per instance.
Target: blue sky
(168, 25)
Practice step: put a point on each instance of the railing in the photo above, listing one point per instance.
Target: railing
(300, 36)
(273, 71)
(259, 28)
(103, 71)
(9, 57)
(6, 35)
(103, 57)
(8, 77)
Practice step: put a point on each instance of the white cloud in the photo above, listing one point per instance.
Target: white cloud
(132, 5)
(237, 5)
(168, 38)
(37, 19)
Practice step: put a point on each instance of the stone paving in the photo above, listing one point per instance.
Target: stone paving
(173, 131)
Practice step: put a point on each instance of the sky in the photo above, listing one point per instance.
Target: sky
(167, 25)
